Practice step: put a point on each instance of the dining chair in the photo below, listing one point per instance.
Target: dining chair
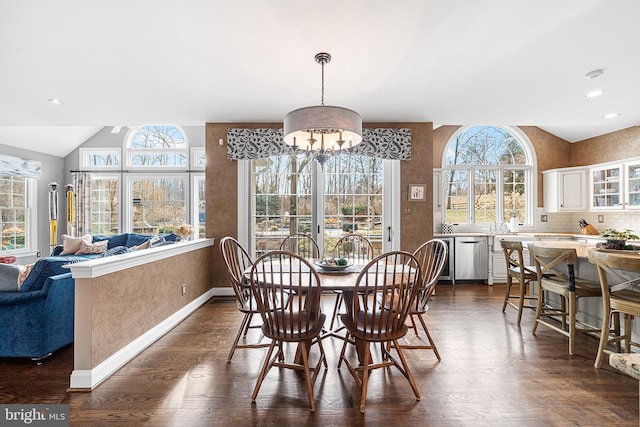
(357, 249)
(431, 257)
(555, 274)
(238, 262)
(393, 281)
(279, 276)
(619, 281)
(520, 272)
(301, 244)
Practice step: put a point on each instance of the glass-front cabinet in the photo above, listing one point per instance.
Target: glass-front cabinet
(632, 171)
(616, 186)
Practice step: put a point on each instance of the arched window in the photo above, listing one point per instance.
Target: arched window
(155, 146)
(489, 176)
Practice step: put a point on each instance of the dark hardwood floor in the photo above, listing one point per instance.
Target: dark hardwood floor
(492, 373)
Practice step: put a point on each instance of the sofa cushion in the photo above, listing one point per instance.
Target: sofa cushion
(135, 239)
(49, 266)
(118, 240)
(71, 245)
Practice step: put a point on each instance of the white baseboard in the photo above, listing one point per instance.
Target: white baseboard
(222, 292)
(83, 380)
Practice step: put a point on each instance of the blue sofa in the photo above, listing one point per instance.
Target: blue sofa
(38, 319)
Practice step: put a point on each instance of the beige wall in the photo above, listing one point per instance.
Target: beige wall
(125, 304)
(221, 187)
(607, 148)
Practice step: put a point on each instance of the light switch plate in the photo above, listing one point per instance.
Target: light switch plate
(600, 219)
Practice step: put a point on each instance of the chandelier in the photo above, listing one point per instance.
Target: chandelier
(322, 130)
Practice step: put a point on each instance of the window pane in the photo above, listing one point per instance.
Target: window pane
(158, 205)
(514, 195)
(353, 199)
(281, 200)
(485, 196)
(457, 204)
(157, 160)
(158, 137)
(104, 205)
(485, 145)
(13, 211)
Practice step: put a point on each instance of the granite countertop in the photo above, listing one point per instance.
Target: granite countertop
(582, 249)
(629, 363)
(567, 235)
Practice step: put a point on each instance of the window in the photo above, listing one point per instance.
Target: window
(100, 158)
(156, 146)
(105, 204)
(490, 176)
(158, 204)
(285, 199)
(15, 211)
(159, 192)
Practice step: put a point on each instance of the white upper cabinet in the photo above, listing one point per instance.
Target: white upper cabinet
(615, 186)
(565, 190)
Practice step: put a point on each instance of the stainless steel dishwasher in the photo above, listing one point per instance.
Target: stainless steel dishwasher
(471, 258)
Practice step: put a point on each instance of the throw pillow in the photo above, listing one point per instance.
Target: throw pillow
(71, 245)
(145, 245)
(24, 273)
(95, 248)
(9, 277)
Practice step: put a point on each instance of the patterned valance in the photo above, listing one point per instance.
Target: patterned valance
(19, 167)
(385, 143)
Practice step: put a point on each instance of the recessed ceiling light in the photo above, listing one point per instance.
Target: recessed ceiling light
(593, 74)
(610, 115)
(55, 101)
(594, 93)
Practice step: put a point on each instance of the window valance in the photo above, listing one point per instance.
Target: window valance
(17, 166)
(385, 143)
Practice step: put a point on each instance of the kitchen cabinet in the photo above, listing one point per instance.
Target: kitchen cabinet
(615, 186)
(565, 190)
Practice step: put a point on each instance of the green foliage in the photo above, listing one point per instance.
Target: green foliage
(613, 234)
(355, 210)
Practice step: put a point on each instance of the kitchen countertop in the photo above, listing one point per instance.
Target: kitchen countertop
(567, 235)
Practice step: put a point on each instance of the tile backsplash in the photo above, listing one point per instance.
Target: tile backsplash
(568, 221)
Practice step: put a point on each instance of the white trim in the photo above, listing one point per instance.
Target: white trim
(88, 379)
(196, 152)
(243, 191)
(100, 266)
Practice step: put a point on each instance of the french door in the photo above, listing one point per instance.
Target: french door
(294, 194)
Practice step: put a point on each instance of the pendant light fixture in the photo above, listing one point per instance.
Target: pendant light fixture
(322, 130)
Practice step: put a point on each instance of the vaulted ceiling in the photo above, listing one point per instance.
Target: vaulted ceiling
(188, 62)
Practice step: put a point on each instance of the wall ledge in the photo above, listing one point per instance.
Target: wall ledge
(102, 266)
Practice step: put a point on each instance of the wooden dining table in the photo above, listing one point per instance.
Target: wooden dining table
(343, 280)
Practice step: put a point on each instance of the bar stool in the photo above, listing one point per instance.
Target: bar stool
(556, 274)
(523, 274)
(619, 280)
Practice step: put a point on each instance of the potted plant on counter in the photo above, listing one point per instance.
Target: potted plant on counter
(617, 239)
